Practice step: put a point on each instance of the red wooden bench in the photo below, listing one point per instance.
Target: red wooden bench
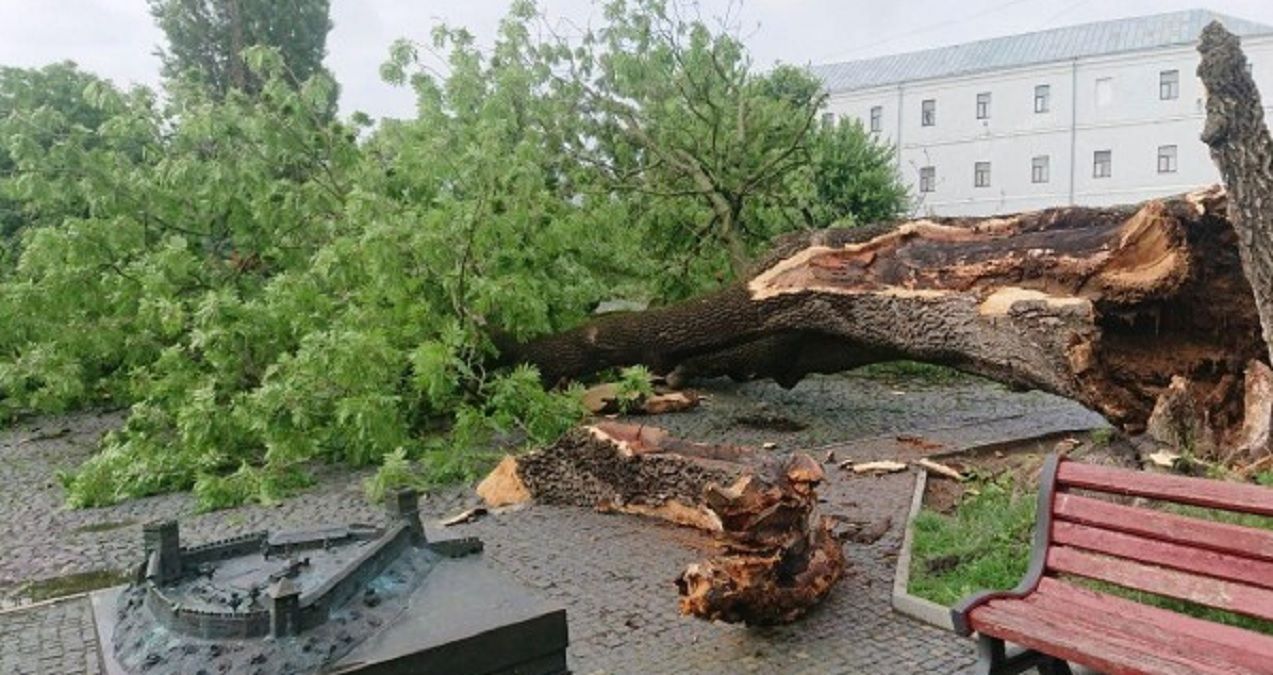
(1080, 534)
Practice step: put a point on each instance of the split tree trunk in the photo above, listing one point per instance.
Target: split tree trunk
(1103, 306)
(1241, 147)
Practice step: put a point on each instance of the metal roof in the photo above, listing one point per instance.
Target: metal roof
(1058, 44)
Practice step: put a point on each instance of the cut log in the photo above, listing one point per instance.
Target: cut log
(778, 556)
(1103, 306)
(502, 486)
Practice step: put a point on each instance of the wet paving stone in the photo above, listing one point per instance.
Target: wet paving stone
(613, 573)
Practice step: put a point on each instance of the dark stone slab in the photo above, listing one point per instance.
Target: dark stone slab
(463, 619)
(104, 619)
(466, 619)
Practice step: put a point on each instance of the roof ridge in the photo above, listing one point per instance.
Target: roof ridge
(1053, 44)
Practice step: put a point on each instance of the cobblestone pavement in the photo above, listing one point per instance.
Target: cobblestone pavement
(52, 638)
(613, 573)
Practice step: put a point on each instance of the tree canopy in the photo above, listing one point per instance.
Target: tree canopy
(265, 285)
(46, 109)
(207, 38)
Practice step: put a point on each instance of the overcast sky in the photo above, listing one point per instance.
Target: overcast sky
(117, 39)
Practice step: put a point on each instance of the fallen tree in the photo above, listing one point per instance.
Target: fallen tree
(777, 558)
(1124, 309)
(1143, 313)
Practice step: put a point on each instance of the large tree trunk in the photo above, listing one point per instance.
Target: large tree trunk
(1103, 306)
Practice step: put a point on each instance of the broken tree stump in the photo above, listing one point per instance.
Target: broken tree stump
(777, 557)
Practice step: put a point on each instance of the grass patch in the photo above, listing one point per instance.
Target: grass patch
(926, 373)
(70, 584)
(985, 545)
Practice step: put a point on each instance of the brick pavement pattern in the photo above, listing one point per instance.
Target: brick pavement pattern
(614, 574)
(49, 639)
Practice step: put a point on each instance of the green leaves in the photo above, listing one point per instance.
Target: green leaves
(267, 290)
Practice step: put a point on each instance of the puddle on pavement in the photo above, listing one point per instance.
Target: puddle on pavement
(57, 587)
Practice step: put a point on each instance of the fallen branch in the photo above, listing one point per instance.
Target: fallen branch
(940, 469)
(882, 466)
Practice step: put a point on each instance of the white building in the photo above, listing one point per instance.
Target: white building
(1096, 114)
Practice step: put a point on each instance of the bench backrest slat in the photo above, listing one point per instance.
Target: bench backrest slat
(1181, 489)
(1220, 537)
(1088, 600)
(1231, 596)
(1186, 558)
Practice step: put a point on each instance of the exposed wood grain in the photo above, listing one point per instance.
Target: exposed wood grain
(1186, 558)
(1210, 535)
(1227, 595)
(1243, 498)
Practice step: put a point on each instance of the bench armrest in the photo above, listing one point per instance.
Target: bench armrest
(1038, 553)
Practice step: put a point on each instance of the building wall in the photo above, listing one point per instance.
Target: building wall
(1128, 118)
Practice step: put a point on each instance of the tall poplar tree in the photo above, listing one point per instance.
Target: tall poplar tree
(206, 39)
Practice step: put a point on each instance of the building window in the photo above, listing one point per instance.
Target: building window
(1166, 159)
(1039, 169)
(828, 119)
(927, 178)
(981, 174)
(1101, 160)
(928, 112)
(877, 118)
(983, 105)
(1104, 91)
(1042, 98)
(1169, 85)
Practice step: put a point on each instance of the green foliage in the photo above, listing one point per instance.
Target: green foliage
(247, 484)
(207, 40)
(47, 109)
(853, 176)
(395, 472)
(265, 289)
(1264, 478)
(1102, 437)
(635, 384)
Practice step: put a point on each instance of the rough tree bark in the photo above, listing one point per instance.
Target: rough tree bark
(1241, 148)
(1103, 306)
(778, 557)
